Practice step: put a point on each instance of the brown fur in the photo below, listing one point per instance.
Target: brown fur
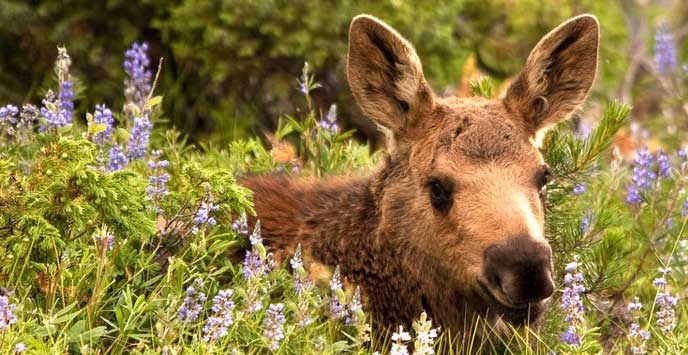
(482, 250)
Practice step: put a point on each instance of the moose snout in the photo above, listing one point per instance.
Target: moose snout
(519, 271)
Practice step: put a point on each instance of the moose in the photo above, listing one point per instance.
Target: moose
(452, 221)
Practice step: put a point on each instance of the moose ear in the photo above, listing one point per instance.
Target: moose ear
(385, 75)
(557, 75)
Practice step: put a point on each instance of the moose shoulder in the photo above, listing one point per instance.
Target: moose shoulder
(452, 222)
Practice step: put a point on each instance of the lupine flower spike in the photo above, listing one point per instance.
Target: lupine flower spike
(425, 336)
(274, 322)
(637, 337)
(117, 159)
(105, 240)
(302, 286)
(136, 65)
(643, 176)
(337, 296)
(665, 50)
(241, 225)
(202, 217)
(666, 315)
(218, 324)
(103, 116)
(193, 301)
(400, 338)
(157, 188)
(256, 264)
(330, 121)
(572, 303)
(7, 316)
(58, 109)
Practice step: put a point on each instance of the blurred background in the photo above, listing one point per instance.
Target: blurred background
(230, 66)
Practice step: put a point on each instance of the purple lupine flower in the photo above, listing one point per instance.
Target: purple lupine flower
(53, 113)
(663, 164)
(138, 83)
(65, 85)
(256, 264)
(643, 176)
(27, 117)
(253, 265)
(684, 208)
(8, 114)
(104, 239)
(579, 189)
(274, 322)
(202, 216)
(218, 324)
(337, 295)
(7, 316)
(572, 303)
(303, 82)
(241, 225)
(355, 308)
(297, 267)
(66, 99)
(585, 221)
(103, 116)
(302, 285)
(569, 336)
(157, 187)
(192, 307)
(637, 336)
(666, 315)
(58, 109)
(19, 348)
(137, 147)
(665, 50)
(330, 121)
(256, 237)
(117, 159)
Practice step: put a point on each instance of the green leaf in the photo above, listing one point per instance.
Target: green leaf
(95, 128)
(122, 133)
(154, 101)
(295, 124)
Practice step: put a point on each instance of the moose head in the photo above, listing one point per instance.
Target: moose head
(471, 182)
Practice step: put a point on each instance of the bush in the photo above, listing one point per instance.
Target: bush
(229, 65)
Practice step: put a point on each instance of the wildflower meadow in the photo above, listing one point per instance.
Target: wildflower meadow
(119, 230)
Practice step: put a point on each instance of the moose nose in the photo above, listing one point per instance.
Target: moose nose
(520, 269)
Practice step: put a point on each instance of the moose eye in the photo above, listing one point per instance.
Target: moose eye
(544, 177)
(440, 195)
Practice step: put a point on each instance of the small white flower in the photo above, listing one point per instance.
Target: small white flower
(401, 335)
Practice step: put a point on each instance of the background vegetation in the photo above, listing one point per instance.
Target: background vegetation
(117, 221)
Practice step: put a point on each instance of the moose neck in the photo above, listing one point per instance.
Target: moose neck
(329, 218)
(341, 221)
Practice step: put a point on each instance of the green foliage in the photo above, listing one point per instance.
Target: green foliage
(228, 64)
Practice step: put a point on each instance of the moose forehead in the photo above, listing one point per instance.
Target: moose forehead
(481, 130)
